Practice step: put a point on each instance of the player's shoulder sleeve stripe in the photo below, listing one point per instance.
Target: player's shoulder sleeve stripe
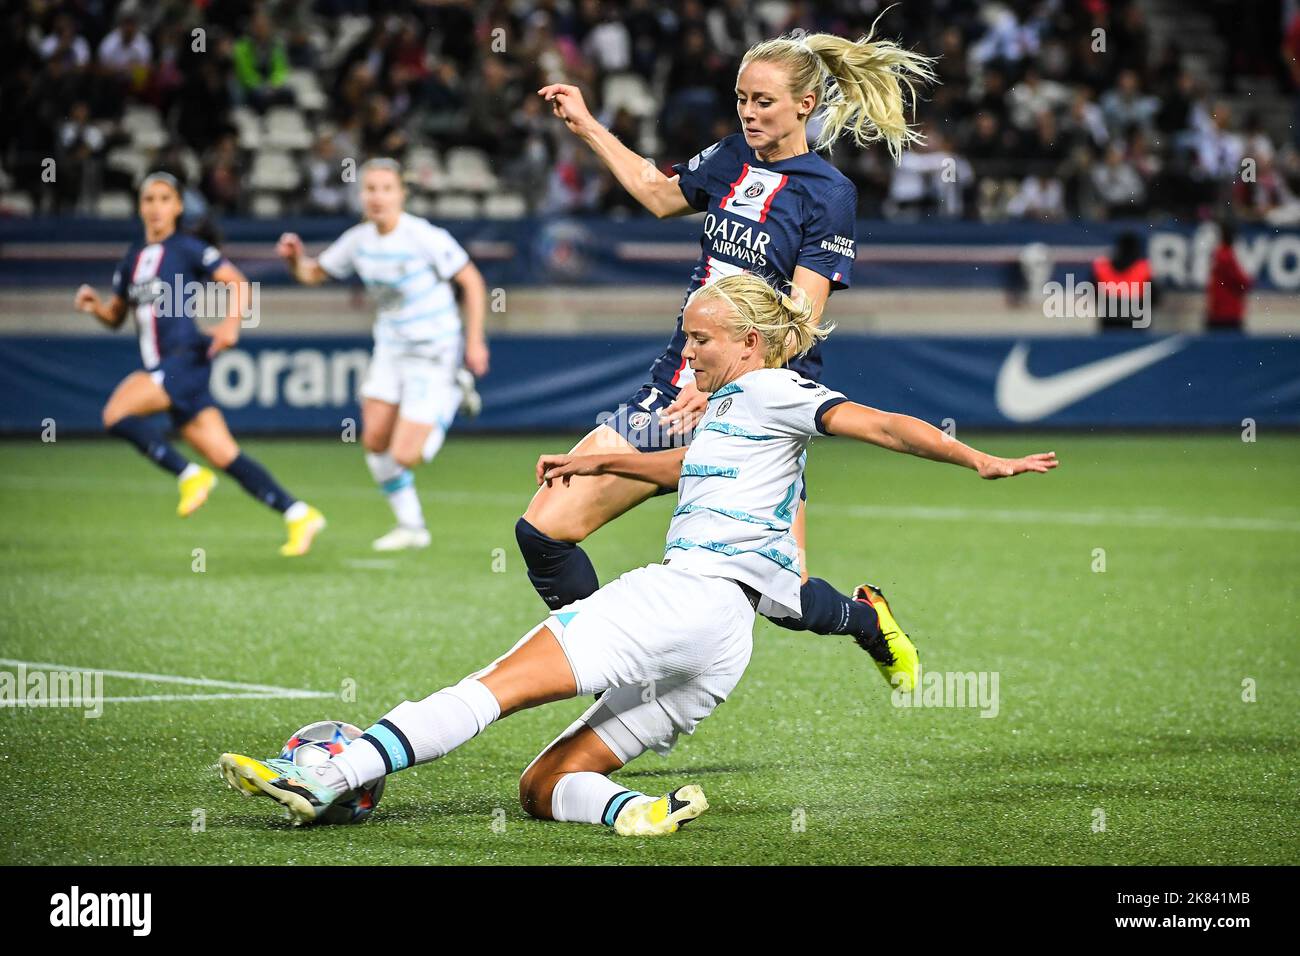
(825, 407)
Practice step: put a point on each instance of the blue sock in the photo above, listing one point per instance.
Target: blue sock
(257, 481)
(145, 436)
(560, 570)
(827, 611)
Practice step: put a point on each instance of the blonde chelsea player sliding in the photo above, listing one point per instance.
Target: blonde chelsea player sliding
(663, 645)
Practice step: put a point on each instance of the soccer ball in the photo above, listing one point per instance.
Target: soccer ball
(316, 743)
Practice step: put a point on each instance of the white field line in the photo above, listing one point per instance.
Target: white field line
(1147, 518)
(250, 691)
(1027, 516)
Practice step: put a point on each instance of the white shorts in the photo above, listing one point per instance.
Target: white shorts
(423, 388)
(662, 646)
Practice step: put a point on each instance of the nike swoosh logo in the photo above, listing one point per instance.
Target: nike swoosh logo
(1024, 397)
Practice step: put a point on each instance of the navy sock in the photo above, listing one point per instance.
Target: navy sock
(560, 570)
(827, 611)
(146, 436)
(257, 481)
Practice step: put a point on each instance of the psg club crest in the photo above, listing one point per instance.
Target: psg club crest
(754, 190)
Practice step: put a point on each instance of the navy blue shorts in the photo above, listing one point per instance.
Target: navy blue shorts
(637, 419)
(184, 377)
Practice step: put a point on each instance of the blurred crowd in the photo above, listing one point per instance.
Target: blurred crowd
(1046, 109)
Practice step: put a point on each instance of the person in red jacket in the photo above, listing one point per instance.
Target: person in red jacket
(1225, 293)
(1125, 290)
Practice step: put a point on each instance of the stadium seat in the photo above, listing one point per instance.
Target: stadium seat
(453, 206)
(418, 205)
(130, 160)
(16, 204)
(468, 170)
(286, 129)
(306, 90)
(248, 126)
(424, 170)
(505, 206)
(628, 91)
(274, 172)
(115, 206)
(267, 205)
(144, 126)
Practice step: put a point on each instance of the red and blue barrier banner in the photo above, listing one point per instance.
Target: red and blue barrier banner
(577, 251)
(272, 384)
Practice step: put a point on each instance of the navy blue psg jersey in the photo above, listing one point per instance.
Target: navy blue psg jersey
(161, 283)
(764, 218)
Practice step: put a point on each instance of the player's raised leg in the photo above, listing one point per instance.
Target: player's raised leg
(126, 415)
(207, 432)
(561, 516)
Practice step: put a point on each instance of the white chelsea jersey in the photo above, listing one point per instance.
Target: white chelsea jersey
(408, 271)
(741, 481)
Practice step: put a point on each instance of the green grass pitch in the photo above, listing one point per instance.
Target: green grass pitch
(1121, 737)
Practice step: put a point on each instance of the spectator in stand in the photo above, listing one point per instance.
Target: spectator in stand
(1127, 106)
(65, 44)
(325, 190)
(1084, 123)
(1118, 185)
(80, 148)
(261, 66)
(223, 175)
(1041, 197)
(1218, 149)
(1033, 97)
(1225, 293)
(126, 51)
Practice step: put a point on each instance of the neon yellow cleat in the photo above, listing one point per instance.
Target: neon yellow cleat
(239, 772)
(302, 530)
(666, 815)
(194, 491)
(894, 653)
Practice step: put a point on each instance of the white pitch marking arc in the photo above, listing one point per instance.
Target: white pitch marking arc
(251, 691)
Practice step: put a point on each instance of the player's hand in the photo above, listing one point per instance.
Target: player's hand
(686, 410)
(476, 357)
(223, 337)
(564, 467)
(567, 103)
(289, 247)
(87, 299)
(991, 467)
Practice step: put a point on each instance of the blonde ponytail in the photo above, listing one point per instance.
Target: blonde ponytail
(859, 84)
(784, 321)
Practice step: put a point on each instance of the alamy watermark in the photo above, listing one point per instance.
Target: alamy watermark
(1092, 300)
(949, 689)
(47, 688)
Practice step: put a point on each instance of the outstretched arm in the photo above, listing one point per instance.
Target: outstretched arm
(912, 436)
(659, 194)
(301, 266)
(661, 468)
(111, 313)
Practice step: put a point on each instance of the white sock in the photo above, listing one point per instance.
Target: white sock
(433, 443)
(398, 485)
(295, 511)
(587, 797)
(416, 732)
(189, 471)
